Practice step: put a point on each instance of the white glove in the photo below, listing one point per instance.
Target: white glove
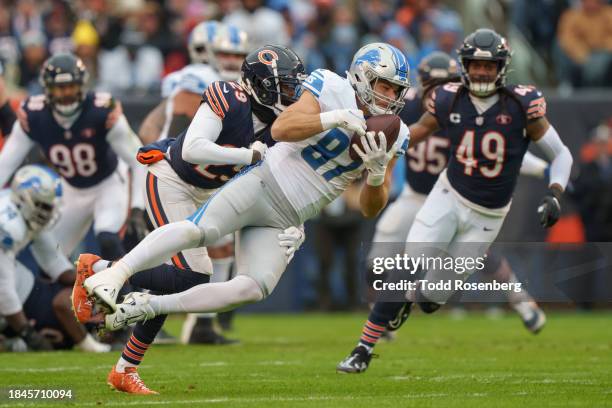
(376, 158)
(349, 119)
(291, 239)
(259, 151)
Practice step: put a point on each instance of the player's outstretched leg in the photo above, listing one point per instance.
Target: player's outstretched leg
(384, 316)
(522, 302)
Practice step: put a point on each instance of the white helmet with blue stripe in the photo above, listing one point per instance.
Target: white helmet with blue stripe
(37, 190)
(200, 39)
(227, 51)
(374, 62)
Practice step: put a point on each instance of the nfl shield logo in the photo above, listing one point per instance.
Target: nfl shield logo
(503, 119)
(479, 120)
(67, 134)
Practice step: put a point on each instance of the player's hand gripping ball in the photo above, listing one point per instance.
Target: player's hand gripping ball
(388, 124)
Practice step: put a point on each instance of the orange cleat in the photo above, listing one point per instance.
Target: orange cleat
(82, 306)
(129, 382)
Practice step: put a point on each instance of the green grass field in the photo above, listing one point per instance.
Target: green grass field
(289, 361)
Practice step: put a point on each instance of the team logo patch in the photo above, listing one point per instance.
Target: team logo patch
(503, 119)
(455, 117)
(267, 56)
(88, 132)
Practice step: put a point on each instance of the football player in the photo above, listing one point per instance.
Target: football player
(308, 167)
(424, 163)
(83, 134)
(27, 209)
(217, 52)
(489, 125)
(185, 172)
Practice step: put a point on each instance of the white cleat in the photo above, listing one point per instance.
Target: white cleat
(104, 286)
(536, 322)
(135, 308)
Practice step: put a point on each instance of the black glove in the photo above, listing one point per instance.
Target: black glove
(549, 209)
(136, 225)
(35, 340)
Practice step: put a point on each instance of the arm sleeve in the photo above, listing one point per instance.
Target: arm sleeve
(9, 299)
(47, 253)
(14, 151)
(199, 146)
(559, 156)
(533, 166)
(125, 143)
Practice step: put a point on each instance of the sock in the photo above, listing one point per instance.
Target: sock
(132, 354)
(209, 297)
(101, 265)
(382, 313)
(110, 245)
(159, 246)
(165, 279)
(90, 344)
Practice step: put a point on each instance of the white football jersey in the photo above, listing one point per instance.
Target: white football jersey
(193, 78)
(315, 171)
(14, 233)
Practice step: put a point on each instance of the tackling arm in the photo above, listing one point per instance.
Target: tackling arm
(152, 126)
(199, 146)
(125, 143)
(423, 128)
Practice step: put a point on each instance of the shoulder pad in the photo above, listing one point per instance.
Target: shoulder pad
(224, 98)
(532, 100)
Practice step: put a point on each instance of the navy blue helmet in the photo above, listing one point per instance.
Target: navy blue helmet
(59, 70)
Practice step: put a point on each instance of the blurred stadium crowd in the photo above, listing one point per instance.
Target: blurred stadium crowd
(129, 45)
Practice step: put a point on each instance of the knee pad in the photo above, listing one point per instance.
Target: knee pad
(205, 235)
(425, 304)
(248, 289)
(110, 245)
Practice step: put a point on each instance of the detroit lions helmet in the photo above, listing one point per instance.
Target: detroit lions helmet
(227, 51)
(486, 45)
(36, 190)
(199, 41)
(374, 62)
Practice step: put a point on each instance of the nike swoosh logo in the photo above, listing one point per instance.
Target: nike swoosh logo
(225, 89)
(488, 229)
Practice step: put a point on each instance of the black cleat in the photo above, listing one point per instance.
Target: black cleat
(357, 362)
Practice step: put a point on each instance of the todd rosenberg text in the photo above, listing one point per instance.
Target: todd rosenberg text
(458, 285)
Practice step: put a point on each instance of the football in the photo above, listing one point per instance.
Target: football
(388, 124)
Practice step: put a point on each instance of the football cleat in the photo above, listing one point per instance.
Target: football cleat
(537, 321)
(104, 286)
(135, 308)
(82, 306)
(129, 382)
(357, 362)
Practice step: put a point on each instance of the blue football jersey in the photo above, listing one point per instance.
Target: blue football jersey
(81, 153)
(228, 101)
(427, 159)
(486, 149)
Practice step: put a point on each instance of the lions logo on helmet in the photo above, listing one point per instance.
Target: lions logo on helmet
(374, 62)
(36, 190)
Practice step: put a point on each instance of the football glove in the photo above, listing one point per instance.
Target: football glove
(376, 157)
(549, 209)
(291, 239)
(349, 119)
(136, 224)
(259, 151)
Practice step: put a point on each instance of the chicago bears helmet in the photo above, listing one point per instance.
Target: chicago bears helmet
(485, 45)
(272, 77)
(60, 70)
(437, 66)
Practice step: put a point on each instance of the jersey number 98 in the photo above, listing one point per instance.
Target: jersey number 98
(81, 160)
